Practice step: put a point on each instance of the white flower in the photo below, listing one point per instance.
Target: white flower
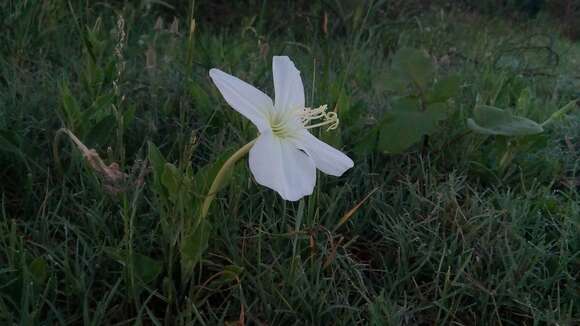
(285, 155)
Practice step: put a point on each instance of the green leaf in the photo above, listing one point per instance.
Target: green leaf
(71, 108)
(171, 179)
(146, 268)
(412, 66)
(101, 132)
(158, 165)
(38, 269)
(444, 89)
(406, 123)
(204, 177)
(489, 120)
(368, 143)
(192, 246)
(100, 109)
(396, 82)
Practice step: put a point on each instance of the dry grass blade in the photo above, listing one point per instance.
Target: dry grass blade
(353, 210)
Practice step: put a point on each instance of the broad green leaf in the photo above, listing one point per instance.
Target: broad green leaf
(146, 268)
(157, 166)
(100, 133)
(444, 89)
(414, 66)
(192, 246)
(39, 270)
(489, 120)
(368, 143)
(205, 176)
(102, 103)
(396, 82)
(70, 107)
(157, 160)
(171, 180)
(177, 184)
(406, 123)
(100, 109)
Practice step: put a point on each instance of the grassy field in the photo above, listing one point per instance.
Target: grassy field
(459, 228)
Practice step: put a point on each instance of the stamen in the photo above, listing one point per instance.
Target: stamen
(307, 115)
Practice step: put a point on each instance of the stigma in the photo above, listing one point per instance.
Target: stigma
(309, 115)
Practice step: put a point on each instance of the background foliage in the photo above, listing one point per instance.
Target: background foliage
(462, 206)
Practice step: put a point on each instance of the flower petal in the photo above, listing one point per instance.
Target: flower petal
(244, 98)
(287, 84)
(327, 158)
(279, 165)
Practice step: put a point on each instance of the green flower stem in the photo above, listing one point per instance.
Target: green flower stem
(561, 112)
(220, 176)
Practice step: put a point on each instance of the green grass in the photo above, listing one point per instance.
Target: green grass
(451, 233)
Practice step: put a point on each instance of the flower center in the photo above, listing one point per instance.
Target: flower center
(285, 124)
(280, 126)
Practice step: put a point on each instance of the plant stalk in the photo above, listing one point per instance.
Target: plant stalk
(220, 176)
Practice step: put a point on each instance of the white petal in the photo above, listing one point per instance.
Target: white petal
(327, 158)
(244, 98)
(287, 85)
(279, 165)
